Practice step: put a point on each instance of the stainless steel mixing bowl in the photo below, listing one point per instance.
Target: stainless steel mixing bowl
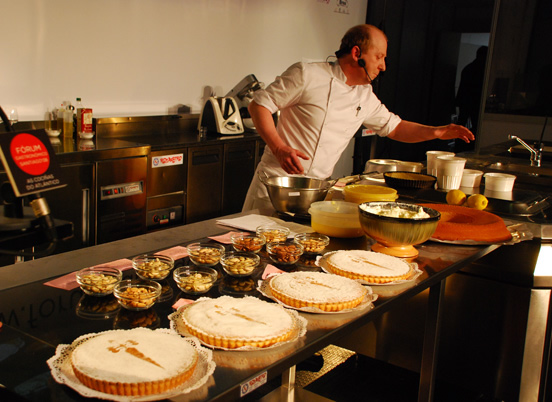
(295, 194)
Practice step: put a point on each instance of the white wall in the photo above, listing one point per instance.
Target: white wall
(143, 57)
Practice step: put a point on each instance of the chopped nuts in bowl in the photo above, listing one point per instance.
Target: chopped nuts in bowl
(137, 294)
(313, 243)
(273, 233)
(284, 253)
(205, 254)
(152, 266)
(247, 243)
(195, 280)
(98, 281)
(240, 264)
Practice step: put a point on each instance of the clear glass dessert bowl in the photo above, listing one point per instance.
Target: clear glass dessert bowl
(98, 281)
(137, 294)
(195, 280)
(285, 252)
(205, 254)
(313, 243)
(152, 266)
(240, 264)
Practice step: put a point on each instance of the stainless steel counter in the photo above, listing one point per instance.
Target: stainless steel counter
(37, 318)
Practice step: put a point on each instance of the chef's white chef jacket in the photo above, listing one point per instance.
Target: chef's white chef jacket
(319, 114)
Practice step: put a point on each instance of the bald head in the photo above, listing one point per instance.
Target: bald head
(361, 36)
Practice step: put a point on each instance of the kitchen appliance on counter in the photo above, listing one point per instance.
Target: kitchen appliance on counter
(243, 95)
(221, 115)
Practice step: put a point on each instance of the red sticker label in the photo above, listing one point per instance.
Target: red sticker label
(29, 154)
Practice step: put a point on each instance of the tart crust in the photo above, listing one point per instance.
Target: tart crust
(103, 362)
(231, 323)
(326, 292)
(361, 264)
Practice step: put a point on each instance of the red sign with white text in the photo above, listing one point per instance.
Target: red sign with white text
(30, 163)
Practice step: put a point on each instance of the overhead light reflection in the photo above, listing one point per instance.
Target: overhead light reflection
(544, 262)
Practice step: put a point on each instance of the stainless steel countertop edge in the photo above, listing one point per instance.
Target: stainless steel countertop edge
(60, 264)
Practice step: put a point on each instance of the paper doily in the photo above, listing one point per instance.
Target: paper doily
(62, 371)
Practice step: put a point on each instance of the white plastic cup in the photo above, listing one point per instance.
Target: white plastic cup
(499, 181)
(471, 178)
(431, 160)
(449, 172)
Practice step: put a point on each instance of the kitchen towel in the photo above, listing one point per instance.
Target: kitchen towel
(226, 238)
(253, 221)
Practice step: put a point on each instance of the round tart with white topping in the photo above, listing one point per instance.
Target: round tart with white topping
(317, 290)
(137, 362)
(372, 267)
(231, 323)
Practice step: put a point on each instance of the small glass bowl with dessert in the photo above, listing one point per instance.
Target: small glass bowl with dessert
(240, 264)
(137, 294)
(247, 242)
(313, 243)
(273, 233)
(98, 281)
(195, 280)
(205, 254)
(285, 252)
(153, 266)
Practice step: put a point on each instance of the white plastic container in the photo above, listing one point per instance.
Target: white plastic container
(499, 181)
(449, 172)
(336, 218)
(471, 178)
(431, 160)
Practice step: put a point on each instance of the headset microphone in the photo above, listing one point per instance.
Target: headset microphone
(362, 64)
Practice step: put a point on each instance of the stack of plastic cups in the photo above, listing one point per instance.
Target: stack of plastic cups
(431, 160)
(449, 172)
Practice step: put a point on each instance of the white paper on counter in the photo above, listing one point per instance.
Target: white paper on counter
(251, 222)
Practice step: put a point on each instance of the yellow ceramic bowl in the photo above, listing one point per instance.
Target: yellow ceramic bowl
(359, 193)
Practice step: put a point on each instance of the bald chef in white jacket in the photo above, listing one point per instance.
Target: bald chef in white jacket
(322, 105)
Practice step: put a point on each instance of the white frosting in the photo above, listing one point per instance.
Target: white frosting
(238, 318)
(317, 287)
(395, 211)
(369, 263)
(136, 355)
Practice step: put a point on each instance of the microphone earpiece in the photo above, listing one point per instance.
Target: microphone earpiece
(362, 64)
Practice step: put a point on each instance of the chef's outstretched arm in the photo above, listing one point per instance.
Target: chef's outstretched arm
(408, 131)
(287, 156)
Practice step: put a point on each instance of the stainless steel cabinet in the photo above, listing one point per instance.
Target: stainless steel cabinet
(121, 198)
(204, 196)
(166, 193)
(75, 203)
(239, 167)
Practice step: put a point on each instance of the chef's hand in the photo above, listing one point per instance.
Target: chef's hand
(289, 159)
(452, 131)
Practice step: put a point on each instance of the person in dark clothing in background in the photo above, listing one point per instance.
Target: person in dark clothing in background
(468, 97)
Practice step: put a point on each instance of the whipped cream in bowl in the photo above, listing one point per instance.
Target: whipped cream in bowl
(397, 226)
